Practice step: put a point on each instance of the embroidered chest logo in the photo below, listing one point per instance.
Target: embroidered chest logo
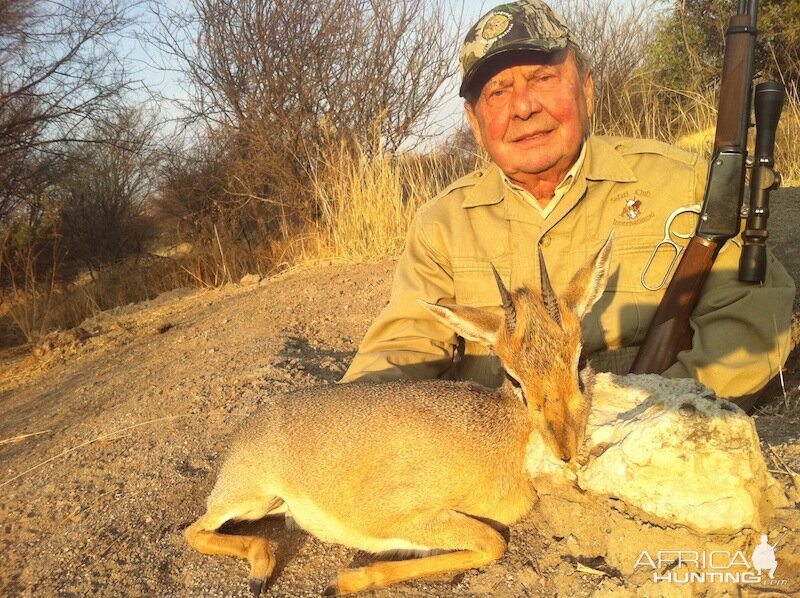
(632, 208)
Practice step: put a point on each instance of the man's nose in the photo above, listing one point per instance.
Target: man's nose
(525, 101)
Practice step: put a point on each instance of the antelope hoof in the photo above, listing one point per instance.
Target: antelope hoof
(256, 585)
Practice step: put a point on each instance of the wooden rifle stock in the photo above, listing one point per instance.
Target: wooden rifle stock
(669, 331)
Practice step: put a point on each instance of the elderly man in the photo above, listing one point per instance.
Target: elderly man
(528, 92)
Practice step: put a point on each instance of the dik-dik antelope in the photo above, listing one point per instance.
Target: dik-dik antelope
(420, 466)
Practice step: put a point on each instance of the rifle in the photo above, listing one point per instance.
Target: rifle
(669, 331)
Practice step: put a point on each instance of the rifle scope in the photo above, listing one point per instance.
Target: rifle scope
(763, 179)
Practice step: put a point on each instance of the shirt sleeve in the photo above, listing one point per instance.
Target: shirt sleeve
(406, 341)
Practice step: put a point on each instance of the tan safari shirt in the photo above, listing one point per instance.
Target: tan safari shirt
(741, 331)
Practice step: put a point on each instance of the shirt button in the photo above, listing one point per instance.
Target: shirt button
(546, 240)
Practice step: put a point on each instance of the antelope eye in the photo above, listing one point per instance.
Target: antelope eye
(517, 389)
(582, 363)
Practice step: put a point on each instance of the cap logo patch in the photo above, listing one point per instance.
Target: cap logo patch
(496, 26)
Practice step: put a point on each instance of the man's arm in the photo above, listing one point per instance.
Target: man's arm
(741, 331)
(405, 341)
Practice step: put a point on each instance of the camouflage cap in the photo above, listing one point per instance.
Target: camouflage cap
(523, 25)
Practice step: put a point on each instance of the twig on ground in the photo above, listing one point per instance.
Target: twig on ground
(780, 370)
(106, 437)
(22, 437)
(792, 474)
(114, 542)
(197, 278)
(584, 569)
(72, 514)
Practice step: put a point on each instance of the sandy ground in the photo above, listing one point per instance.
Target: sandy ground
(126, 424)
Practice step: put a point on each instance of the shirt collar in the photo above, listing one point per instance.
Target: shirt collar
(560, 191)
(604, 162)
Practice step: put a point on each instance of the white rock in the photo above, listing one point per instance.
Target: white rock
(672, 449)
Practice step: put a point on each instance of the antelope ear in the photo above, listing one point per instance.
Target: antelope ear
(588, 284)
(472, 323)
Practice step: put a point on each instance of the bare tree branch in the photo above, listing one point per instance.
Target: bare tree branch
(60, 67)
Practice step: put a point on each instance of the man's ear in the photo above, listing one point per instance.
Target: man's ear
(588, 93)
(472, 118)
(472, 323)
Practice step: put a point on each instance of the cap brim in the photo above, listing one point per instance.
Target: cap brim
(484, 61)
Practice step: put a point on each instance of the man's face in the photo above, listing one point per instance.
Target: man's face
(532, 116)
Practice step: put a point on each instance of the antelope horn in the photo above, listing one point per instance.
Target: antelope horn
(508, 304)
(548, 295)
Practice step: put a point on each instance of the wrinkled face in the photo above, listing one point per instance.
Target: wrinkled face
(532, 115)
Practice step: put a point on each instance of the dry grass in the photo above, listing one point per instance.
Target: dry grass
(787, 154)
(367, 199)
(26, 317)
(688, 119)
(788, 405)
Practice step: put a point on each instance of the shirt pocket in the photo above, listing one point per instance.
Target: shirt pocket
(621, 316)
(640, 260)
(474, 284)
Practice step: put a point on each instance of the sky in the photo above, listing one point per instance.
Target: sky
(451, 112)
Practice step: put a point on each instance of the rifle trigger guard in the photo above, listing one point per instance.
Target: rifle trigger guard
(672, 245)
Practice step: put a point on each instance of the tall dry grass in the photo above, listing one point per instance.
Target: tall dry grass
(687, 118)
(787, 153)
(28, 314)
(367, 197)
